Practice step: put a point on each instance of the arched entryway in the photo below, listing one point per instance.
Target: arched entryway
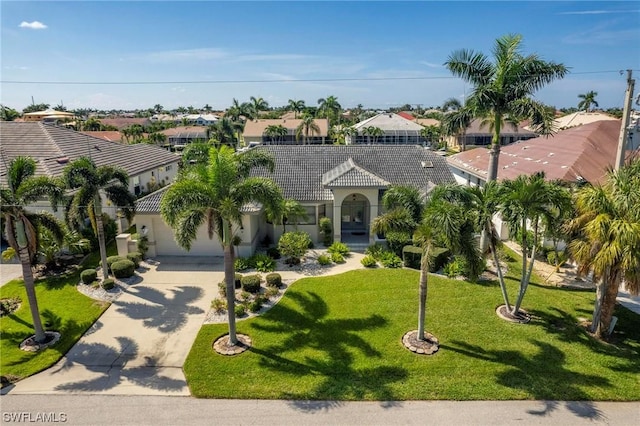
(354, 218)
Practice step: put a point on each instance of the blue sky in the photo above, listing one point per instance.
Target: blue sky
(178, 42)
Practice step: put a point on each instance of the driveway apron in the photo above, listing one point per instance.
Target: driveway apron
(139, 345)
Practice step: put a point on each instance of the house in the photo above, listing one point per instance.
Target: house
(107, 135)
(581, 153)
(49, 116)
(121, 123)
(578, 119)
(426, 122)
(395, 130)
(179, 137)
(406, 115)
(53, 147)
(343, 183)
(477, 134)
(254, 131)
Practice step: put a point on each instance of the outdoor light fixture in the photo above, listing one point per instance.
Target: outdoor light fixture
(144, 230)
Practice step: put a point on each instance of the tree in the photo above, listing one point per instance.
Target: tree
(307, 127)
(195, 153)
(157, 138)
(340, 133)
(523, 202)
(372, 131)
(225, 131)
(89, 182)
(587, 99)
(275, 132)
(296, 106)
(35, 108)
(157, 108)
(294, 245)
(502, 90)
(92, 125)
(330, 108)
(214, 196)
(431, 134)
(451, 104)
(290, 212)
(22, 226)
(258, 104)
(60, 107)
(207, 108)
(8, 114)
(608, 241)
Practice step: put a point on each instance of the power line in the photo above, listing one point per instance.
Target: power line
(307, 80)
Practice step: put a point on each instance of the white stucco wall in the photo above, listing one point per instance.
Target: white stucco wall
(163, 174)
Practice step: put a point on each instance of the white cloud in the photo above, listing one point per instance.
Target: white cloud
(35, 25)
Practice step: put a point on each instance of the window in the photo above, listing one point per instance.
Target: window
(311, 216)
(168, 168)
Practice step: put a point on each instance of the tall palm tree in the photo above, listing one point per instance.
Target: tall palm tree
(330, 108)
(257, 105)
(373, 131)
(275, 132)
(207, 108)
(157, 138)
(451, 104)
(296, 106)
(214, 196)
(307, 127)
(502, 89)
(431, 134)
(608, 223)
(89, 183)
(22, 226)
(226, 131)
(340, 133)
(587, 99)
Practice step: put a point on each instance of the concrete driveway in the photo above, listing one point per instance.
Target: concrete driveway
(138, 346)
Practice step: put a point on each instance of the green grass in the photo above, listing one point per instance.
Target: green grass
(70, 312)
(339, 338)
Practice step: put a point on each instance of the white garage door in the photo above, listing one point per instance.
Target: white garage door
(166, 245)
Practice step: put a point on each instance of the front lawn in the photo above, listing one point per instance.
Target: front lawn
(339, 338)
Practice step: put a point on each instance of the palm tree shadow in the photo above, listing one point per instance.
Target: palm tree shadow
(541, 375)
(309, 328)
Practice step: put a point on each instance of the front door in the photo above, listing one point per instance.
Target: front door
(353, 215)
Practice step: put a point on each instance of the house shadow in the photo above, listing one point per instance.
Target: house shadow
(541, 375)
(336, 339)
(166, 314)
(113, 372)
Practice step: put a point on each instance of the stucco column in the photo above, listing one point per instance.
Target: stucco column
(337, 221)
(373, 213)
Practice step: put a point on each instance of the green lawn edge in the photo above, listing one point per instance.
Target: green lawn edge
(339, 338)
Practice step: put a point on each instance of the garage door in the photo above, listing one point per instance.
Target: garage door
(166, 245)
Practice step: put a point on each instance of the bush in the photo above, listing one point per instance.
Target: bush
(273, 253)
(9, 306)
(551, 258)
(257, 303)
(108, 284)
(274, 280)
(264, 263)
(439, 258)
(294, 245)
(397, 240)
(245, 296)
(123, 268)
(337, 257)
(456, 267)
(251, 283)
(391, 260)
(219, 305)
(222, 288)
(135, 257)
(271, 292)
(113, 259)
(88, 276)
(239, 310)
(368, 261)
(375, 250)
(339, 247)
(241, 264)
(237, 281)
(324, 260)
(142, 243)
(326, 230)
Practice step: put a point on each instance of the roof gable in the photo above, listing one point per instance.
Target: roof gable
(349, 174)
(389, 122)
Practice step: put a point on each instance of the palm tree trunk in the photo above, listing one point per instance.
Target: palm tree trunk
(422, 309)
(608, 304)
(97, 211)
(494, 153)
(229, 278)
(503, 286)
(527, 270)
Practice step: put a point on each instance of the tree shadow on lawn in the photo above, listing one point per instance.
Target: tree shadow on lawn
(165, 314)
(309, 329)
(542, 376)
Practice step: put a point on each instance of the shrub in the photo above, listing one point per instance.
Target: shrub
(219, 305)
(368, 261)
(257, 303)
(551, 258)
(326, 230)
(237, 281)
(241, 264)
(339, 247)
(9, 306)
(113, 259)
(375, 250)
(397, 240)
(294, 245)
(274, 280)
(337, 257)
(251, 283)
(222, 288)
(324, 259)
(142, 243)
(456, 267)
(391, 260)
(439, 257)
(273, 253)
(239, 310)
(135, 257)
(123, 269)
(88, 276)
(264, 263)
(245, 296)
(108, 284)
(271, 292)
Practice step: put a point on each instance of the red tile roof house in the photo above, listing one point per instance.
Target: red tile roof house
(477, 134)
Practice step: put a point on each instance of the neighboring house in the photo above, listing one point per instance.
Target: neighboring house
(396, 130)
(124, 122)
(406, 115)
(427, 122)
(179, 137)
(477, 134)
(107, 135)
(581, 153)
(48, 116)
(254, 131)
(579, 118)
(201, 119)
(54, 147)
(343, 183)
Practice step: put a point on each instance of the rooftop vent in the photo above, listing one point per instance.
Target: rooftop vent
(551, 154)
(427, 164)
(63, 160)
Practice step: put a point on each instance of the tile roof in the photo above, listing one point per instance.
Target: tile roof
(124, 122)
(427, 122)
(54, 147)
(107, 135)
(350, 174)
(389, 122)
(586, 151)
(477, 129)
(300, 169)
(187, 132)
(151, 203)
(256, 128)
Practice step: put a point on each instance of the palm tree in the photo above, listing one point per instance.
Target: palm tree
(207, 108)
(451, 104)
(296, 106)
(330, 108)
(8, 114)
(257, 105)
(89, 183)
(608, 222)
(225, 131)
(502, 90)
(157, 138)
(157, 108)
(92, 124)
(340, 133)
(22, 226)
(373, 131)
(214, 195)
(290, 211)
(306, 127)
(275, 132)
(431, 134)
(588, 99)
